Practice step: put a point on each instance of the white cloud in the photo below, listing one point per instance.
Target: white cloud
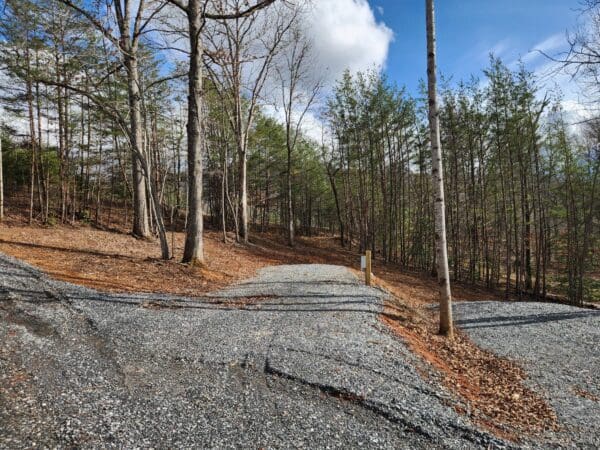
(551, 45)
(346, 35)
(499, 49)
(577, 107)
(553, 77)
(311, 126)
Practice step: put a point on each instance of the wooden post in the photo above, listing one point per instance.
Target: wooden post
(368, 269)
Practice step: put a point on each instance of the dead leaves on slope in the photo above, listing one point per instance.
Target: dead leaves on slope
(491, 389)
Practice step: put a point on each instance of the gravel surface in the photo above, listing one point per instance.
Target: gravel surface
(293, 358)
(558, 346)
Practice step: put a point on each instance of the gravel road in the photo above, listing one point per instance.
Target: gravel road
(305, 365)
(558, 346)
(292, 358)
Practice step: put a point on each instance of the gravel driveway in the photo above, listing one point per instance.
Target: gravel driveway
(292, 358)
(558, 346)
(305, 365)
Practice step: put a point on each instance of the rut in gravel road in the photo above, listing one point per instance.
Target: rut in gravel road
(294, 357)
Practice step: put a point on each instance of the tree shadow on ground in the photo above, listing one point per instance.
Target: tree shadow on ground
(519, 320)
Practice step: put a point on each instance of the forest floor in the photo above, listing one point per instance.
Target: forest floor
(114, 261)
(494, 390)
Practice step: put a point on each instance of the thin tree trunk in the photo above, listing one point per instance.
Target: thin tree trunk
(223, 194)
(31, 136)
(141, 226)
(243, 187)
(290, 206)
(438, 182)
(1, 185)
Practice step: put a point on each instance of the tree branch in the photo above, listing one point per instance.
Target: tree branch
(238, 15)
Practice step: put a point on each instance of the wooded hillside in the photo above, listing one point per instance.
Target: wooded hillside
(97, 125)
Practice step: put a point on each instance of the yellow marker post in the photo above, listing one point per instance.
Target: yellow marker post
(368, 268)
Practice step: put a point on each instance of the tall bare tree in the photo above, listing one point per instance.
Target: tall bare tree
(131, 26)
(240, 54)
(197, 14)
(437, 173)
(299, 90)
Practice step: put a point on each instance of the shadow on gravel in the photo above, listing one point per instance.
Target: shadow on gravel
(310, 283)
(237, 303)
(290, 303)
(500, 321)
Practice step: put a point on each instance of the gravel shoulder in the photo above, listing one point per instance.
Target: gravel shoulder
(295, 357)
(292, 358)
(559, 347)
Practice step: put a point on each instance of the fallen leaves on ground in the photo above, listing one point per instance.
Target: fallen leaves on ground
(585, 394)
(491, 388)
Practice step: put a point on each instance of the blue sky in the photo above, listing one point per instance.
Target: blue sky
(468, 30)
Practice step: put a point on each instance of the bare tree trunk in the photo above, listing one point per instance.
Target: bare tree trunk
(242, 46)
(294, 76)
(127, 44)
(41, 176)
(231, 205)
(29, 94)
(223, 193)
(145, 194)
(1, 185)
(331, 176)
(243, 186)
(290, 204)
(141, 226)
(194, 246)
(196, 16)
(438, 182)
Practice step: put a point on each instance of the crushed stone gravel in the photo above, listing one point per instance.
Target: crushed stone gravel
(292, 358)
(558, 346)
(309, 365)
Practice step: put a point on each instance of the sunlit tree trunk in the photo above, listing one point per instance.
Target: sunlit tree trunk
(438, 182)
(141, 227)
(193, 251)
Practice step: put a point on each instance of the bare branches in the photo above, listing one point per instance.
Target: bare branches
(175, 76)
(179, 4)
(98, 101)
(237, 14)
(582, 58)
(240, 13)
(106, 31)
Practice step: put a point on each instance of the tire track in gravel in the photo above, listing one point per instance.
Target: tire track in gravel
(307, 365)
